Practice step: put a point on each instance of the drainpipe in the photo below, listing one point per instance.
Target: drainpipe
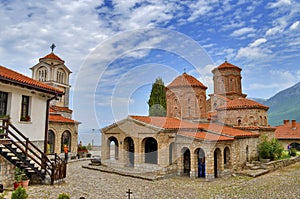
(47, 122)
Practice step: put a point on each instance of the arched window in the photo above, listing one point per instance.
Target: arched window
(42, 74)
(51, 142)
(239, 122)
(66, 140)
(60, 76)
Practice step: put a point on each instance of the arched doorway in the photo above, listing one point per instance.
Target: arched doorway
(201, 162)
(129, 149)
(51, 142)
(171, 149)
(226, 158)
(66, 140)
(150, 150)
(186, 161)
(113, 145)
(217, 162)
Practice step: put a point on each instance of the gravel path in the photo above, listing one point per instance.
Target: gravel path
(283, 183)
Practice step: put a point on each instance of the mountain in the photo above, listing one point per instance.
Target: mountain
(284, 105)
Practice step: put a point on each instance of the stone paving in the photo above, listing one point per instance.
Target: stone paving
(92, 184)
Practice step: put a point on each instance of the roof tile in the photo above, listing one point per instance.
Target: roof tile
(186, 80)
(242, 103)
(19, 79)
(286, 131)
(52, 56)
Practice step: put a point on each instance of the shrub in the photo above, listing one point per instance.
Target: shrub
(19, 193)
(63, 196)
(293, 152)
(270, 149)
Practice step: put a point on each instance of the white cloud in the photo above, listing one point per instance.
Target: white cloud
(295, 25)
(274, 30)
(242, 31)
(257, 42)
(280, 3)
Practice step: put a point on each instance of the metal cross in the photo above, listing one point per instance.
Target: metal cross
(52, 46)
(129, 193)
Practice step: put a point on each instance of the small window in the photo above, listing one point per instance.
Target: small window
(25, 109)
(3, 103)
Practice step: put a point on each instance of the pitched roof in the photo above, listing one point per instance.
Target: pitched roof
(10, 76)
(186, 80)
(226, 65)
(52, 56)
(242, 103)
(59, 118)
(61, 109)
(286, 131)
(205, 136)
(174, 123)
(165, 122)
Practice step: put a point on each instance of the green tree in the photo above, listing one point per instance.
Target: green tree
(157, 102)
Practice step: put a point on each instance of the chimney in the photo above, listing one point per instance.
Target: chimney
(286, 121)
(294, 124)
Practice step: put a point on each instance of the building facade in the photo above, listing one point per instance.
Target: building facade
(198, 137)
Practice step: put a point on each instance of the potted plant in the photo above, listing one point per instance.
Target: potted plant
(18, 178)
(25, 181)
(19, 193)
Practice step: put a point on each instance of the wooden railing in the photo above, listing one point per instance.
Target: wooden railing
(55, 168)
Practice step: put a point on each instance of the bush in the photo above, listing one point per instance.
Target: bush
(270, 149)
(63, 196)
(19, 193)
(293, 152)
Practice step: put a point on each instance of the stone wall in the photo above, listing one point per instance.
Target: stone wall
(7, 171)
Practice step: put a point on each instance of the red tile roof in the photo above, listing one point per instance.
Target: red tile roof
(174, 123)
(52, 56)
(226, 130)
(242, 103)
(186, 80)
(205, 136)
(287, 132)
(59, 118)
(165, 122)
(10, 76)
(227, 65)
(61, 109)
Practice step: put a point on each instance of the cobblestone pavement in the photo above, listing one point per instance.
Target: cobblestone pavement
(283, 183)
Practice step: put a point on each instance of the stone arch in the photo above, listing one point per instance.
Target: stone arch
(129, 151)
(113, 148)
(227, 158)
(51, 141)
(239, 121)
(201, 166)
(186, 161)
(66, 140)
(295, 145)
(42, 74)
(251, 120)
(151, 148)
(217, 162)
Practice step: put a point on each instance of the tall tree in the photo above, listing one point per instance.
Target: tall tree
(157, 102)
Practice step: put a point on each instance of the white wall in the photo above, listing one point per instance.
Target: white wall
(34, 129)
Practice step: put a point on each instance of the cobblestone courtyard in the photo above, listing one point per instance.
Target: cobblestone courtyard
(283, 183)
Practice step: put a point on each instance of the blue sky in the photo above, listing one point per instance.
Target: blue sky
(116, 49)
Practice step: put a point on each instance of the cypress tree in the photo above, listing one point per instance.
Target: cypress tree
(157, 101)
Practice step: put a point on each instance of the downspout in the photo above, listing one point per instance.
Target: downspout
(47, 122)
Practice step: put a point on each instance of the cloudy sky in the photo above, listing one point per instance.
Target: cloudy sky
(116, 49)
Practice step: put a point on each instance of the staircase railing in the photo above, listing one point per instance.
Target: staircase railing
(56, 168)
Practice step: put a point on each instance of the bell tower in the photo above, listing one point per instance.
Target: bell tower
(51, 70)
(228, 81)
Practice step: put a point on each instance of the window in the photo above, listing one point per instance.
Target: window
(42, 74)
(25, 108)
(3, 103)
(60, 76)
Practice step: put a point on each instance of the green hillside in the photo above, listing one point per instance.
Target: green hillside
(284, 105)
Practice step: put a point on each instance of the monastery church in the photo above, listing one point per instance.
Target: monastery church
(199, 137)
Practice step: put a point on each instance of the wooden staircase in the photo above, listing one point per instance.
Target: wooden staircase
(21, 152)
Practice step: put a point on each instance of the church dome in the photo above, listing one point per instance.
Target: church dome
(186, 80)
(52, 56)
(242, 103)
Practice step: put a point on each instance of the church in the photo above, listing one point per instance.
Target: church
(199, 137)
(63, 130)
